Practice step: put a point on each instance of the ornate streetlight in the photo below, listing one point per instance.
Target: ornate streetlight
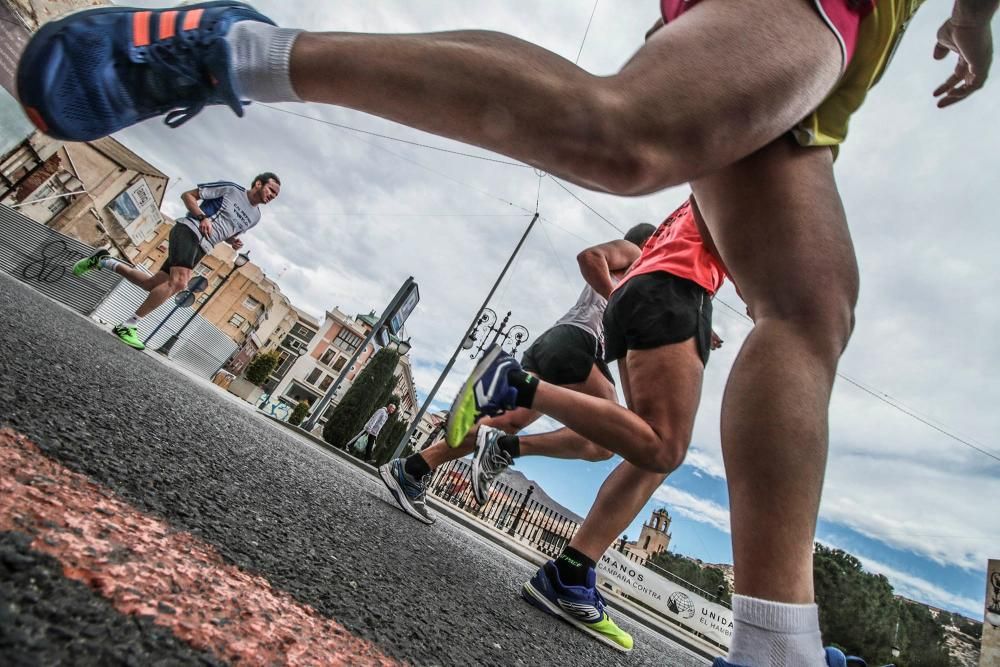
(485, 326)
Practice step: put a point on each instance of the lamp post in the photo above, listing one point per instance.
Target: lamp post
(241, 260)
(485, 326)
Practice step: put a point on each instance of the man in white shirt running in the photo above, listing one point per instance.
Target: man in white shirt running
(217, 212)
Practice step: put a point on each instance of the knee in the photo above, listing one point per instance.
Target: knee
(825, 323)
(669, 454)
(177, 285)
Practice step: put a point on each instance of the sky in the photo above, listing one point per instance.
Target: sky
(906, 489)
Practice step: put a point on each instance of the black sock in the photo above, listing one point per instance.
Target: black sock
(572, 566)
(510, 444)
(526, 385)
(415, 466)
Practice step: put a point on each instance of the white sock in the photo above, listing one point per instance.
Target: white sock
(132, 321)
(775, 634)
(260, 54)
(109, 263)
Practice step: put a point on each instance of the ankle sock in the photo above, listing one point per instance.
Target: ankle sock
(416, 467)
(132, 321)
(775, 634)
(526, 385)
(510, 444)
(260, 60)
(109, 263)
(573, 566)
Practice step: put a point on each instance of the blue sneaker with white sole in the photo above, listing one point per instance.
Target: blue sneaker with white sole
(834, 658)
(580, 606)
(97, 71)
(486, 393)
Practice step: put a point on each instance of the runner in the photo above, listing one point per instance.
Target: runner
(712, 99)
(217, 213)
(569, 354)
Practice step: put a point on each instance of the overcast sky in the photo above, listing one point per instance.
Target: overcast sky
(358, 214)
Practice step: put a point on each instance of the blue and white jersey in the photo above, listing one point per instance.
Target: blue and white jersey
(228, 207)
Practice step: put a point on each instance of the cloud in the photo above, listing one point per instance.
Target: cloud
(693, 507)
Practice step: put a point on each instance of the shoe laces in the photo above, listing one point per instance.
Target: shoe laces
(495, 460)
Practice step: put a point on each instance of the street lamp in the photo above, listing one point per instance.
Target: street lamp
(240, 261)
(484, 326)
(400, 346)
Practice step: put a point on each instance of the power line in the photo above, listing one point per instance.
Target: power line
(396, 139)
(588, 206)
(891, 402)
(586, 32)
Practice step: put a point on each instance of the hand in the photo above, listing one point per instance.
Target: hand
(716, 341)
(236, 242)
(973, 43)
(206, 228)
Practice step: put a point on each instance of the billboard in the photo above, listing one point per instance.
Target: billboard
(673, 600)
(136, 211)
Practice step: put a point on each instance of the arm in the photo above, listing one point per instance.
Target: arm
(235, 241)
(599, 262)
(967, 33)
(190, 199)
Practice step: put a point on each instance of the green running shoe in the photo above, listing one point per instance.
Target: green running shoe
(129, 336)
(88, 264)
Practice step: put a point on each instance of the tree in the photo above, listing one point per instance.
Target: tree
(299, 413)
(370, 391)
(261, 367)
(709, 579)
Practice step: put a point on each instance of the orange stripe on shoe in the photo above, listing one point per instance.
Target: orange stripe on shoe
(167, 25)
(140, 28)
(144, 567)
(35, 117)
(192, 18)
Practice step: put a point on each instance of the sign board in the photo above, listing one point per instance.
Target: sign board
(406, 306)
(14, 126)
(673, 600)
(136, 211)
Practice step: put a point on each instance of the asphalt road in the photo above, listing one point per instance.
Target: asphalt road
(271, 505)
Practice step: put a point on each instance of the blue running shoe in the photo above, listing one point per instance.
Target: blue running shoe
(834, 658)
(409, 492)
(580, 606)
(486, 392)
(100, 70)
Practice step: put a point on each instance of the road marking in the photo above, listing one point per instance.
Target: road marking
(145, 567)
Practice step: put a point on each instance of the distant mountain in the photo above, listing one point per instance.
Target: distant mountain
(517, 481)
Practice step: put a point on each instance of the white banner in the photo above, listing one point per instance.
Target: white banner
(136, 211)
(672, 600)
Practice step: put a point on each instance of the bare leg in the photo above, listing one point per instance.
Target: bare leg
(662, 385)
(137, 276)
(685, 105)
(777, 219)
(566, 445)
(178, 280)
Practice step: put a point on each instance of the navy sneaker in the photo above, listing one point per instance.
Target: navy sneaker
(100, 70)
(834, 658)
(580, 606)
(486, 392)
(409, 492)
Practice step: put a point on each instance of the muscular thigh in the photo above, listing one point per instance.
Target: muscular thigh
(729, 77)
(778, 223)
(663, 386)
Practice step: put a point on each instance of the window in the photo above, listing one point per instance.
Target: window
(202, 298)
(201, 270)
(237, 320)
(347, 341)
(147, 263)
(314, 376)
(251, 303)
(328, 356)
(302, 332)
(325, 384)
(341, 361)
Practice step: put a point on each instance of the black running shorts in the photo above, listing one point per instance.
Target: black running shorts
(184, 250)
(564, 355)
(657, 309)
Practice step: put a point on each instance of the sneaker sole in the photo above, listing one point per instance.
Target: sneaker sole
(538, 600)
(141, 346)
(397, 493)
(462, 415)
